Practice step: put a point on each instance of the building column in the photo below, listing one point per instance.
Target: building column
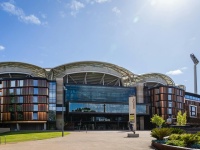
(45, 126)
(142, 123)
(17, 126)
(59, 100)
(140, 92)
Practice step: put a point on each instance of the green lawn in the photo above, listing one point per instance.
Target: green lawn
(20, 136)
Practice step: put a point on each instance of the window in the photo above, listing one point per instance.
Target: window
(18, 91)
(35, 82)
(177, 92)
(35, 116)
(193, 111)
(180, 92)
(35, 91)
(169, 104)
(169, 111)
(12, 83)
(21, 82)
(169, 97)
(20, 99)
(169, 90)
(35, 99)
(35, 107)
(11, 91)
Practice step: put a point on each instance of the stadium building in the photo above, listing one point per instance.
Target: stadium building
(90, 94)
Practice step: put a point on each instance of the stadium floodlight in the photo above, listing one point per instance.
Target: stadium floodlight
(196, 61)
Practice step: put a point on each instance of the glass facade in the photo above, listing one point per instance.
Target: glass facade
(52, 101)
(190, 97)
(103, 107)
(98, 93)
(20, 101)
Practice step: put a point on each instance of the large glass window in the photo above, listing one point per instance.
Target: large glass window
(169, 104)
(193, 111)
(104, 108)
(35, 82)
(169, 90)
(11, 91)
(21, 83)
(35, 99)
(169, 97)
(98, 93)
(12, 83)
(169, 111)
(35, 107)
(35, 91)
(20, 99)
(52, 106)
(35, 116)
(18, 91)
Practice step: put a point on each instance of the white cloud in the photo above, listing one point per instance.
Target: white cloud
(31, 19)
(12, 9)
(97, 1)
(2, 47)
(176, 72)
(62, 14)
(102, 1)
(183, 68)
(116, 11)
(75, 7)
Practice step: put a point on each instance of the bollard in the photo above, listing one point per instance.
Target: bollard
(5, 139)
(86, 129)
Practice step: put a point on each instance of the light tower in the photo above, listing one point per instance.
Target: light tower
(196, 61)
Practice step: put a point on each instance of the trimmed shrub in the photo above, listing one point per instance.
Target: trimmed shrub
(198, 134)
(189, 139)
(160, 133)
(176, 143)
(177, 131)
(174, 137)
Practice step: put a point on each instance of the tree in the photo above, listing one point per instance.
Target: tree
(184, 119)
(157, 120)
(181, 118)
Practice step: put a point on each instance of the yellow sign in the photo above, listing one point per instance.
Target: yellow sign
(131, 117)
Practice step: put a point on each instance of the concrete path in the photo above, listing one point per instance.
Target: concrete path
(92, 140)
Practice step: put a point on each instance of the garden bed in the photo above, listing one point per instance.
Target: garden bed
(160, 146)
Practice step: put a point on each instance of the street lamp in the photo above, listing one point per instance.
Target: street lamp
(64, 89)
(196, 61)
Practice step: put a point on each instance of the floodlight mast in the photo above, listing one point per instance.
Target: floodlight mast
(196, 61)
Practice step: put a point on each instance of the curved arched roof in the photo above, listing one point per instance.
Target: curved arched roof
(156, 77)
(22, 68)
(82, 66)
(128, 78)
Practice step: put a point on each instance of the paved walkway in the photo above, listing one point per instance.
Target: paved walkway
(92, 140)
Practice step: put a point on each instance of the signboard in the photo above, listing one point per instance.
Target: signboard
(132, 111)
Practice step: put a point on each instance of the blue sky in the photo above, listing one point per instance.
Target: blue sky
(143, 36)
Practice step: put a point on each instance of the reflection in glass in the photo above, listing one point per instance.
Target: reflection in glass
(35, 116)
(98, 93)
(35, 99)
(35, 107)
(107, 108)
(35, 90)
(35, 82)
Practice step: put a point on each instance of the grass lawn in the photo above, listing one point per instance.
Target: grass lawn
(19, 136)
